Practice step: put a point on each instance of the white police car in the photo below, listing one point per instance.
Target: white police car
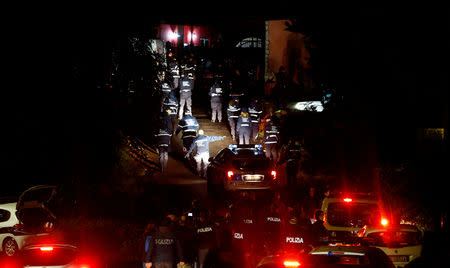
(402, 243)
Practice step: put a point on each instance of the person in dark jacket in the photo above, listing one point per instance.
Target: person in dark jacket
(270, 140)
(292, 156)
(174, 68)
(189, 125)
(206, 239)
(202, 144)
(166, 85)
(216, 94)
(318, 230)
(233, 111)
(255, 111)
(186, 87)
(244, 127)
(163, 142)
(147, 237)
(165, 248)
(186, 235)
(171, 102)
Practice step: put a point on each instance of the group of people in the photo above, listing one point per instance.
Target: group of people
(186, 240)
(248, 122)
(181, 77)
(249, 228)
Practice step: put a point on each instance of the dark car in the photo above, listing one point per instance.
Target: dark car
(241, 167)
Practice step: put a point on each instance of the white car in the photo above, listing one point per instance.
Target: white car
(402, 243)
(27, 219)
(349, 256)
(8, 221)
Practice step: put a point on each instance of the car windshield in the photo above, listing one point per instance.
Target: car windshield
(352, 214)
(394, 239)
(251, 164)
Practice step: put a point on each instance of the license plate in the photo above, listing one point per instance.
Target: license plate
(253, 178)
(399, 258)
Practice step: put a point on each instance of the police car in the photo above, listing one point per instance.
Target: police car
(402, 243)
(349, 256)
(346, 213)
(241, 167)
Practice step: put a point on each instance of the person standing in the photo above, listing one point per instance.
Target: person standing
(166, 85)
(293, 155)
(165, 248)
(189, 125)
(186, 86)
(186, 235)
(255, 111)
(233, 111)
(270, 140)
(318, 229)
(311, 203)
(174, 68)
(216, 93)
(202, 156)
(147, 238)
(163, 140)
(206, 240)
(171, 103)
(244, 127)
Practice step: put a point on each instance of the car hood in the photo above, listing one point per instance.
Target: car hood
(35, 206)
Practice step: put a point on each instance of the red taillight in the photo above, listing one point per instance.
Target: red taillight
(348, 200)
(273, 173)
(84, 266)
(291, 264)
(230, 174)
(384, 222)
(46, 249)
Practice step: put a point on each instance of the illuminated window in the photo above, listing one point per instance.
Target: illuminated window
(250, 42)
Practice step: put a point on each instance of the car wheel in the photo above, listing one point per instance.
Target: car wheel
(10, 247)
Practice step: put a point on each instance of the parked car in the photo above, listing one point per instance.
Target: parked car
(402, 243)
(241, 167)
(27, 219)
(8, 220)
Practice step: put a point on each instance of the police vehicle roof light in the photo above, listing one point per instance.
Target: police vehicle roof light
(291, 263)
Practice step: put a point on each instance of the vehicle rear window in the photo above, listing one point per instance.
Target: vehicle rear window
(251, 164)
(394, 239)
(4, 215)
(58, 256)
(352, 214)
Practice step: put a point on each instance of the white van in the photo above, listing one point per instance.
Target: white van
(347, 213)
